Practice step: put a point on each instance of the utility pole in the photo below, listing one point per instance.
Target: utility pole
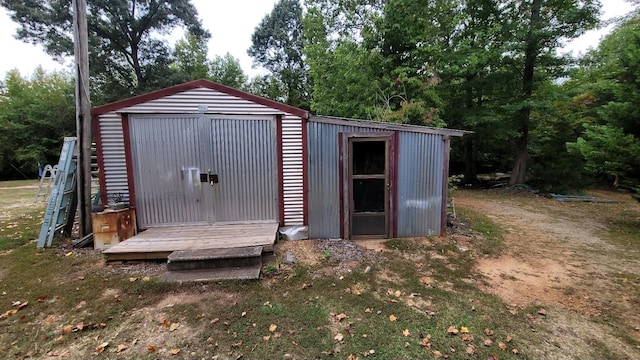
(83, 113)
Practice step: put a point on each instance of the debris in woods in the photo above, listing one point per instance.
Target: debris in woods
(580, 198)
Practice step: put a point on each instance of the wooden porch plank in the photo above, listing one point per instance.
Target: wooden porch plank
(156, 242)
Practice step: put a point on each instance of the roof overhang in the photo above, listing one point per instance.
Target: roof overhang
(388, 126)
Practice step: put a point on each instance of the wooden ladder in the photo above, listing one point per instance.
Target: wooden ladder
(62, 204)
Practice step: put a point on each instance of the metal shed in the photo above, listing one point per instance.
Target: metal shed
(202, 153)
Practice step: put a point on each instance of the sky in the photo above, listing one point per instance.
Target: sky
(231, 24)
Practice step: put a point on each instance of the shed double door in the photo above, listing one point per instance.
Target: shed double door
(198, 170)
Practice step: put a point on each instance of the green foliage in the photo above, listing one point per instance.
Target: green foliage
(277, 46)
(128, 55)
(226, 70)
(35, 115)
(191, 57)
(608, 150)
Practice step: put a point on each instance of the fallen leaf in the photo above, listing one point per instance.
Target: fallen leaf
(470, 350)
(488, 342)
(437, 354)
(151, 348)
(341, 316)
(80, 278)
(406, 332)
(398, 293)
(508, 339)
(488, 332)
(352, 357)
(425, 342)
(502, 346)
(542, 312)
(146, 278)
(393, 318)
(214, 320)
(175, 351)
(273, 328)
(132, 279)
(339, 337)
(8, 313)
(467, 337)
(122, 347)
(67, 329)
(368, 310)
(452, 330)
(23, 305)
(236, 345)
(69, 253)
(164, 322)
(244, 313)
(101, 347)
(369, 353)
(515, 351)
(464, 329)
(266, 337)
(174, 327)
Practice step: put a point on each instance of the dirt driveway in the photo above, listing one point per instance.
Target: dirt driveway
(580, 261)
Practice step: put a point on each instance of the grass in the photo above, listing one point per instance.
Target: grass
(415, 290)
(493, 242)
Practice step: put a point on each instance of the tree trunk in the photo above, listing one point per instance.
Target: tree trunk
(519, 170)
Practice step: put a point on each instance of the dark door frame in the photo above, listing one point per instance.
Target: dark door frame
(344, 140)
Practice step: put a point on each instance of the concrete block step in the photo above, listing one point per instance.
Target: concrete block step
(215, 258)
(235, 273)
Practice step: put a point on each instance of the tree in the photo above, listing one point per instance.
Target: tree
(609, 84)
(227, 71)
(538, 27)
(128, 56)
(190, 55)
(35, 115)
(608, 151)
(277, 45)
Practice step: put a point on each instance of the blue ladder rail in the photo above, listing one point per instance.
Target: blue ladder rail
(63, 199)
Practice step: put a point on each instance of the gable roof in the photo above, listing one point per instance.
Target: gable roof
(201, 83)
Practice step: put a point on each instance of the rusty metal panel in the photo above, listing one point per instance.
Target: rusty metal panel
(420, 181)
(244, 158)
(166, 156)
(114, 171)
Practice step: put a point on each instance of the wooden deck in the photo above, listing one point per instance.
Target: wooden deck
(159, 243)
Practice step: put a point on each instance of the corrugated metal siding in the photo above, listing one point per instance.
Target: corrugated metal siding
(166, 154)
(292, 170)
(244, 158)
(114, 172)
(324, 170)
(419, 180)
(420, 167)
(170, 152)
(188, 102)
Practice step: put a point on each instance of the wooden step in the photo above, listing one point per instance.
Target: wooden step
(236, 273)
(215, 258)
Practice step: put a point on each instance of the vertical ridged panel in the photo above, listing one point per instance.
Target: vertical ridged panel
(324, 172)
(420, 167)
(114, 171)
(166, 165)
(189, 103)
(292, 175)
(244, 158)
(419, 180)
